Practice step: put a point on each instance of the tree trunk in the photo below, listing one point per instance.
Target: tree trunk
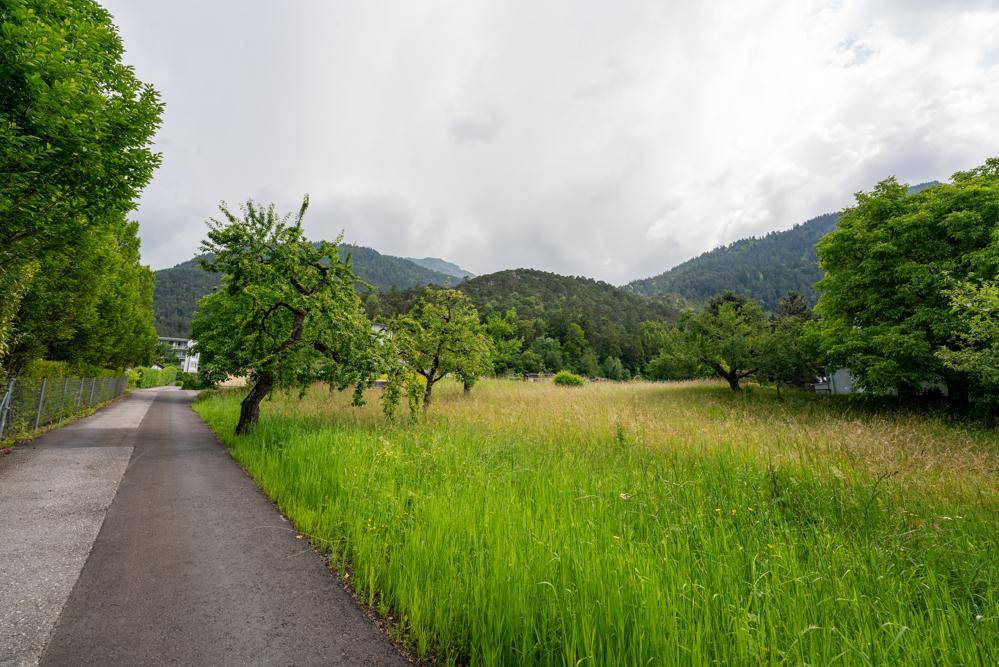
(467, 386)
(733, 381)
(779, 397)
(431, 378)
(249, 409)
(426, 395)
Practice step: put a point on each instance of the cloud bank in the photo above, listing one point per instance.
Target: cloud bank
(605, 139)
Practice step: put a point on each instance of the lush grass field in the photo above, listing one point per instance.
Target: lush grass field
(635, 524)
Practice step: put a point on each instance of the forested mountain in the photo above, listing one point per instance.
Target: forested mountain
(557, 298)
(388, 271)
(175, 294)
(547, 306)
(178, 288)
(764, 268)
(438, 264)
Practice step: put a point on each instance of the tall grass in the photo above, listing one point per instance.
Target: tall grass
(635, 524)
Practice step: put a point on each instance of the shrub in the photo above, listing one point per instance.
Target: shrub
(190, 381)
(567, 379)
(155, 377)
(42, 368)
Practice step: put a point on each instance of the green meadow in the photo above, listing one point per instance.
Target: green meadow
(642, 523)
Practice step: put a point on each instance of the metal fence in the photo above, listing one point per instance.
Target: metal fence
(27, 405)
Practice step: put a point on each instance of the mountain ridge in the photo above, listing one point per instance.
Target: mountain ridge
(177, 289)
(441, 266)
(762, 267)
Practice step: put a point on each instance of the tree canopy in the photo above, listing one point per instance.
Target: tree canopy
(76, 129)
(442, 335)
(179, 287)
(729, 337)
(286, 313)
(976, 350)
(547, 313)
(889, 268)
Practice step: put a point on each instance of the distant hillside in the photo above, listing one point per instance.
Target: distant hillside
(178, 289)
(547, 303)
(765, 268)
(387, 271)
(540, 294)
(438, 264)
(175, 292)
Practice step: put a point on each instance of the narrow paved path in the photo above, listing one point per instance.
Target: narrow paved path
(193, 565)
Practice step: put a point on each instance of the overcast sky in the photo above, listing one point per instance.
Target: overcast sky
(612, 139)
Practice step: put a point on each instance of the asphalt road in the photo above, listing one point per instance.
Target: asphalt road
(193, 565)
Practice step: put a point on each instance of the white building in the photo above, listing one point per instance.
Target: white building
(842, 381)
(839, 381)
(181, 347)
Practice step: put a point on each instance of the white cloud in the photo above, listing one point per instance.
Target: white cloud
(608, 139)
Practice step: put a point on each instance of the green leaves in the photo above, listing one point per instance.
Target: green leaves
(76, 131)
(976, 351)
(890, 269)
(728, 337)
(286, 311)
(439, 337)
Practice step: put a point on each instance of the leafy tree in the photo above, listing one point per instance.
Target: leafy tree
(90, 306)
(13, 285)
(286, 314)
(884, 299)
(479, 363)
(668, 366)
(613, 369)
(573, 345)
(76, 130)
(589, 365)
(503, 331)
(80, 293)
(787, 357)
(441, 336)
(976, 352)
(550, 351)
(531, 362)
(727, 336)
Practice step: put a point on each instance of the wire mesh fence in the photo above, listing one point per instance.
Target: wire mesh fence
(28, 404)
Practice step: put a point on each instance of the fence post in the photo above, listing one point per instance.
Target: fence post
(41, 400)
(5, 405)
(62, 397)
(79, 395)
(93, 385)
